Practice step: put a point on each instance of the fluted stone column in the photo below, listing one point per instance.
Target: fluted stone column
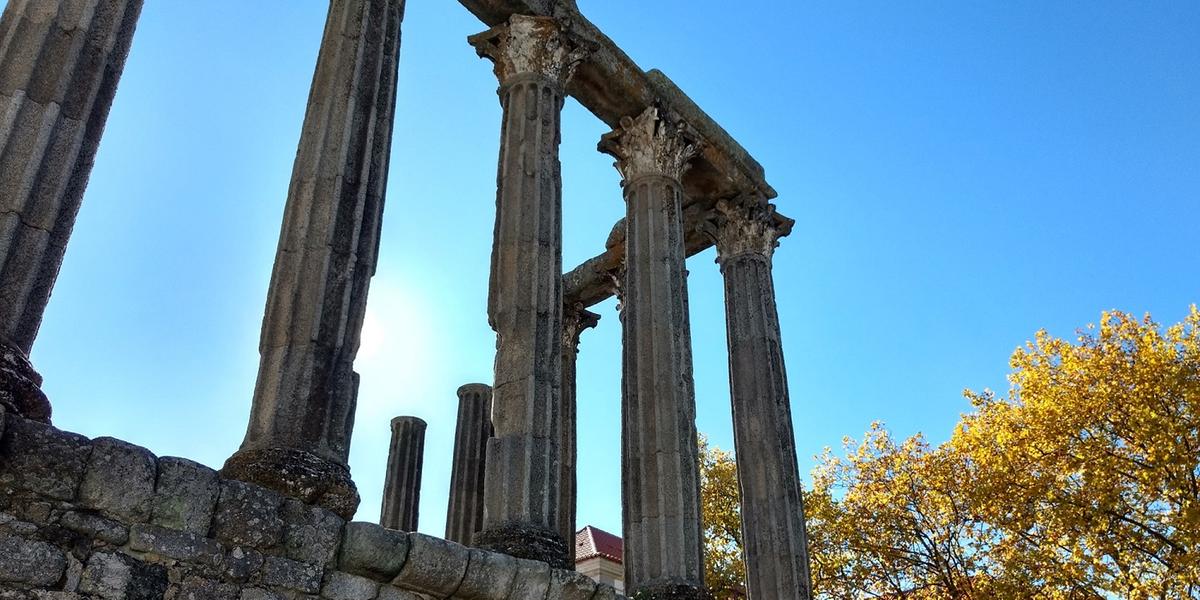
(303, 413)
(774, 542)
(659, 463)
(575, 320)
(534, 58)
(402, 485)
(464, 515)
(60, 62)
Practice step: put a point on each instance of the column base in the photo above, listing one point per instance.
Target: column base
(525, 540)
(672, 590)
(299, 474)
(21, 386)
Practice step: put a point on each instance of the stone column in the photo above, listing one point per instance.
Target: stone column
(775, 547)
(60, 62)
(534, 58)
(298, 438)
(464, 515)
(575, 320)
(402, 485)
(659, 464)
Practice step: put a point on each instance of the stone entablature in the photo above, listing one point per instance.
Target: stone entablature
(101, 518)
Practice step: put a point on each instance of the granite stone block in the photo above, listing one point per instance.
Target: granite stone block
(30, 562)
(119, 480)
(434, 566)
(532, 581)
(311, 533)
(489, 576)
(41, 459)
(96, 526)
(372, 551)
(344, 586)
(248, 515)
(291, 574)
(185, 495)
(174, 544)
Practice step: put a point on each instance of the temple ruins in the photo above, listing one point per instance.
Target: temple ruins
(102, 518)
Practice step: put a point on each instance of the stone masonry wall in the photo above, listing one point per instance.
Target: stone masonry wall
(104, 519)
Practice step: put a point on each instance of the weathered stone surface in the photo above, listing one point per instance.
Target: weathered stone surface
(311, 533)
(532, 581)
(575, 321)
(344, 586)
(292, 574)
(434, 566)
(372, 551)
(240, 563)
(464, 513)
(533, 57)
(298, 474)
(259, 594)
(60, 72)
(20, 385)
(179, 545)
(660, 481)
(489, 576)
(42, 459)
(30, 562)
(391, 592)
(306, 391)
(199, 588)
(402, 485)
(605, 592)
(248, 515)
(119, 577)
(185, 495)
(774, 539)
(11, 525)
(119, 480)
(106, 530)
(569, 585)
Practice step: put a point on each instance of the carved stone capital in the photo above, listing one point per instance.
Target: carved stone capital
(575, 320)
(744, 226)
(20, 385)
(651, 144)
(539, 46)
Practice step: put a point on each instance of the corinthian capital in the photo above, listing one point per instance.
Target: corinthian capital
(574, 321)
(531, 45)
(745, 225)
(651, 144)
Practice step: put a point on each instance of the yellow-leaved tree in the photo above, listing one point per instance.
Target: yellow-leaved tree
(1081, 483)
(724, 572)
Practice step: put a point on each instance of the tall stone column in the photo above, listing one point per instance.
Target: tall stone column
(298, 438)
(464, 513)
(575, 320)
(775, 546)
(402, 485)
(60, 62)
(534, 58)
(659, 463)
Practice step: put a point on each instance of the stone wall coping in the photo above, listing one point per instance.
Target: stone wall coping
(110, 519)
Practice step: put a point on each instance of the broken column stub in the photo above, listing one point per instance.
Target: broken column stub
(402, 485)
(464, 513)
(775, 546)
(60, 63)
(301, 420)
(534, 57)
(575, 321)
(659, 458)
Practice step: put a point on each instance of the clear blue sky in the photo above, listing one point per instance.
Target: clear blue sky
(961, 174)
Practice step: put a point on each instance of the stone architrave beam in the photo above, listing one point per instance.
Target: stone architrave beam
(298, 438)
(402, 485)
(60, 63)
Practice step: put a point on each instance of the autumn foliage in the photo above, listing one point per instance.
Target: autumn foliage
(1081, 483)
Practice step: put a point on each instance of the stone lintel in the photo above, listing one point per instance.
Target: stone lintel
(611, 85)
(591, 282)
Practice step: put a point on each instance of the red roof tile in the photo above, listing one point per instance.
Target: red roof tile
(591, 542)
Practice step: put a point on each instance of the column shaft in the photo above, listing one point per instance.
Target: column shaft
(775, 547)
(60, 63)
(660, 468)
(575, 320)
(464, 513)
(402, 485)
(303, 410)
(521, 490)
